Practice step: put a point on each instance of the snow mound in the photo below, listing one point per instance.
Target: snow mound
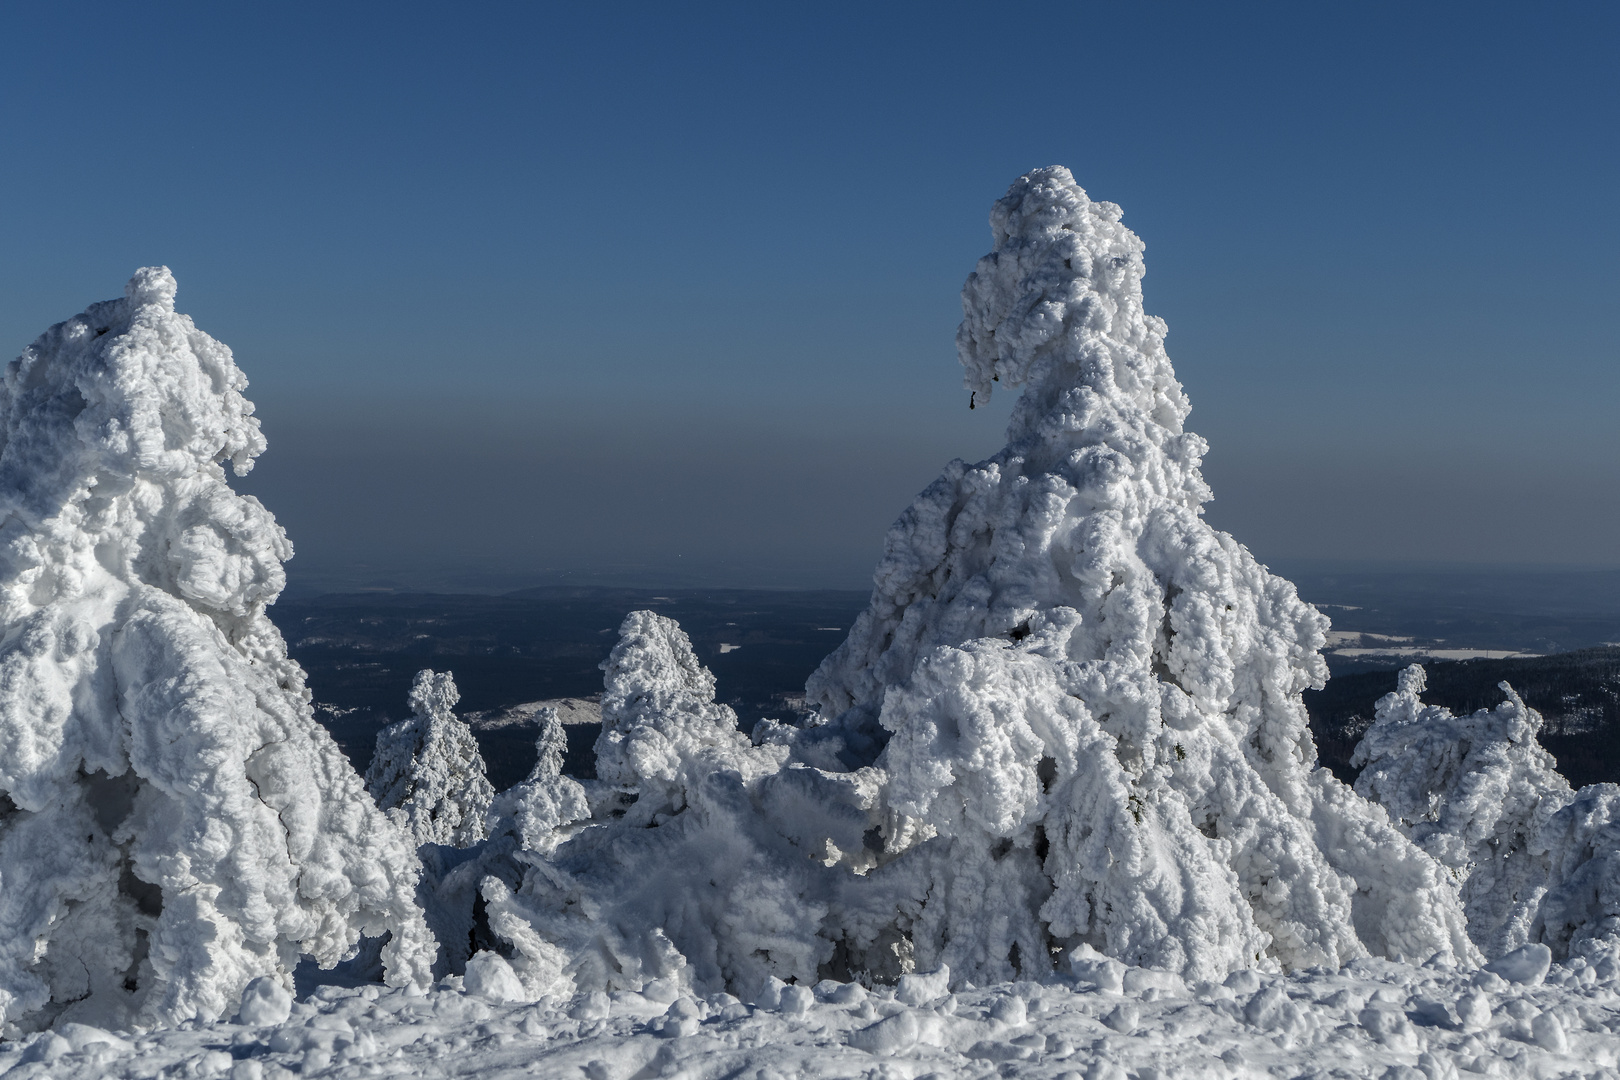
(1539, 863)
(173, 821)
(1086, 700)
(427, 771)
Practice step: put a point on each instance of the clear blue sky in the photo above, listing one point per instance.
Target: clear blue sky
(538, 287)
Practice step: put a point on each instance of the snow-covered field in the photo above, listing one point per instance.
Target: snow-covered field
(1373, 1018)
(1358, 645)
(1055, 810)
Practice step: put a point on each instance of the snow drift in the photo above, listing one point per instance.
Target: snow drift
(173, 821)
(1539, 863)
(1069, 723)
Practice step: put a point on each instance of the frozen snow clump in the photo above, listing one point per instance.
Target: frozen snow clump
(173, 821)
(1539, 863)
(1086, 701)
(427, 771)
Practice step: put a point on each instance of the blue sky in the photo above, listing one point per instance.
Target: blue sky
(672, 288)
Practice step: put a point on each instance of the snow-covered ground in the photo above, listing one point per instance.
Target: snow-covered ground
(569, 711)
(1373, 1018)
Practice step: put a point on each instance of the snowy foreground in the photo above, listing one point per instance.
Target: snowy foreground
(1373, 1018)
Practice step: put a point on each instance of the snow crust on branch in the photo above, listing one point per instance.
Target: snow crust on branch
(427, 771)
(174, 822)
(1539, 863)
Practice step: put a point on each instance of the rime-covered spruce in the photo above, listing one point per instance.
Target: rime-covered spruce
(1539, 863)
(427, 771)
(1069, 724)
(173, 821)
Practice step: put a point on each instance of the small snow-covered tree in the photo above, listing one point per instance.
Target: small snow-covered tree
(661, 727)
(694, 880)
(550, 745)
(173, 821)
(1538, 862)
(427, 771)
(531, 815)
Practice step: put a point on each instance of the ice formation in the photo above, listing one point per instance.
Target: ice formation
(173, 821)
(427, 772)
(1539, 863)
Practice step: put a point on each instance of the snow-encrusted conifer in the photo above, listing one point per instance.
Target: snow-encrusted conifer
(1085, 700)
(550, 745)
(427, 771)
(1539, 863)
(661, 727)
(173, 821)
(533, 814)
(1071, 718)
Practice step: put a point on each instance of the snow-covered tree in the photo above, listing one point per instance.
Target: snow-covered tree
(661, 727)
(173, 821)
(550, 745)
(687, 876)
(1539, 863)
(528, 818)
(1087, 701)
(1070, 720)
(427, 771)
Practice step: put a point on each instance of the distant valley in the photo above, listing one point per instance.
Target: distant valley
(1542, 632)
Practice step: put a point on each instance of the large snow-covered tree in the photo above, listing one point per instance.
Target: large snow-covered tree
(173, 821)
(1085, 700)
(428, 770)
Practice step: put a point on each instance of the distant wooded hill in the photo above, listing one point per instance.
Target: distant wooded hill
(361, 651)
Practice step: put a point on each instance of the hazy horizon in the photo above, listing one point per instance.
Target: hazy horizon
(640, 290)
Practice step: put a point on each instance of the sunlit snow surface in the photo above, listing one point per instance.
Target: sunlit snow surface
(1373, 1018)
